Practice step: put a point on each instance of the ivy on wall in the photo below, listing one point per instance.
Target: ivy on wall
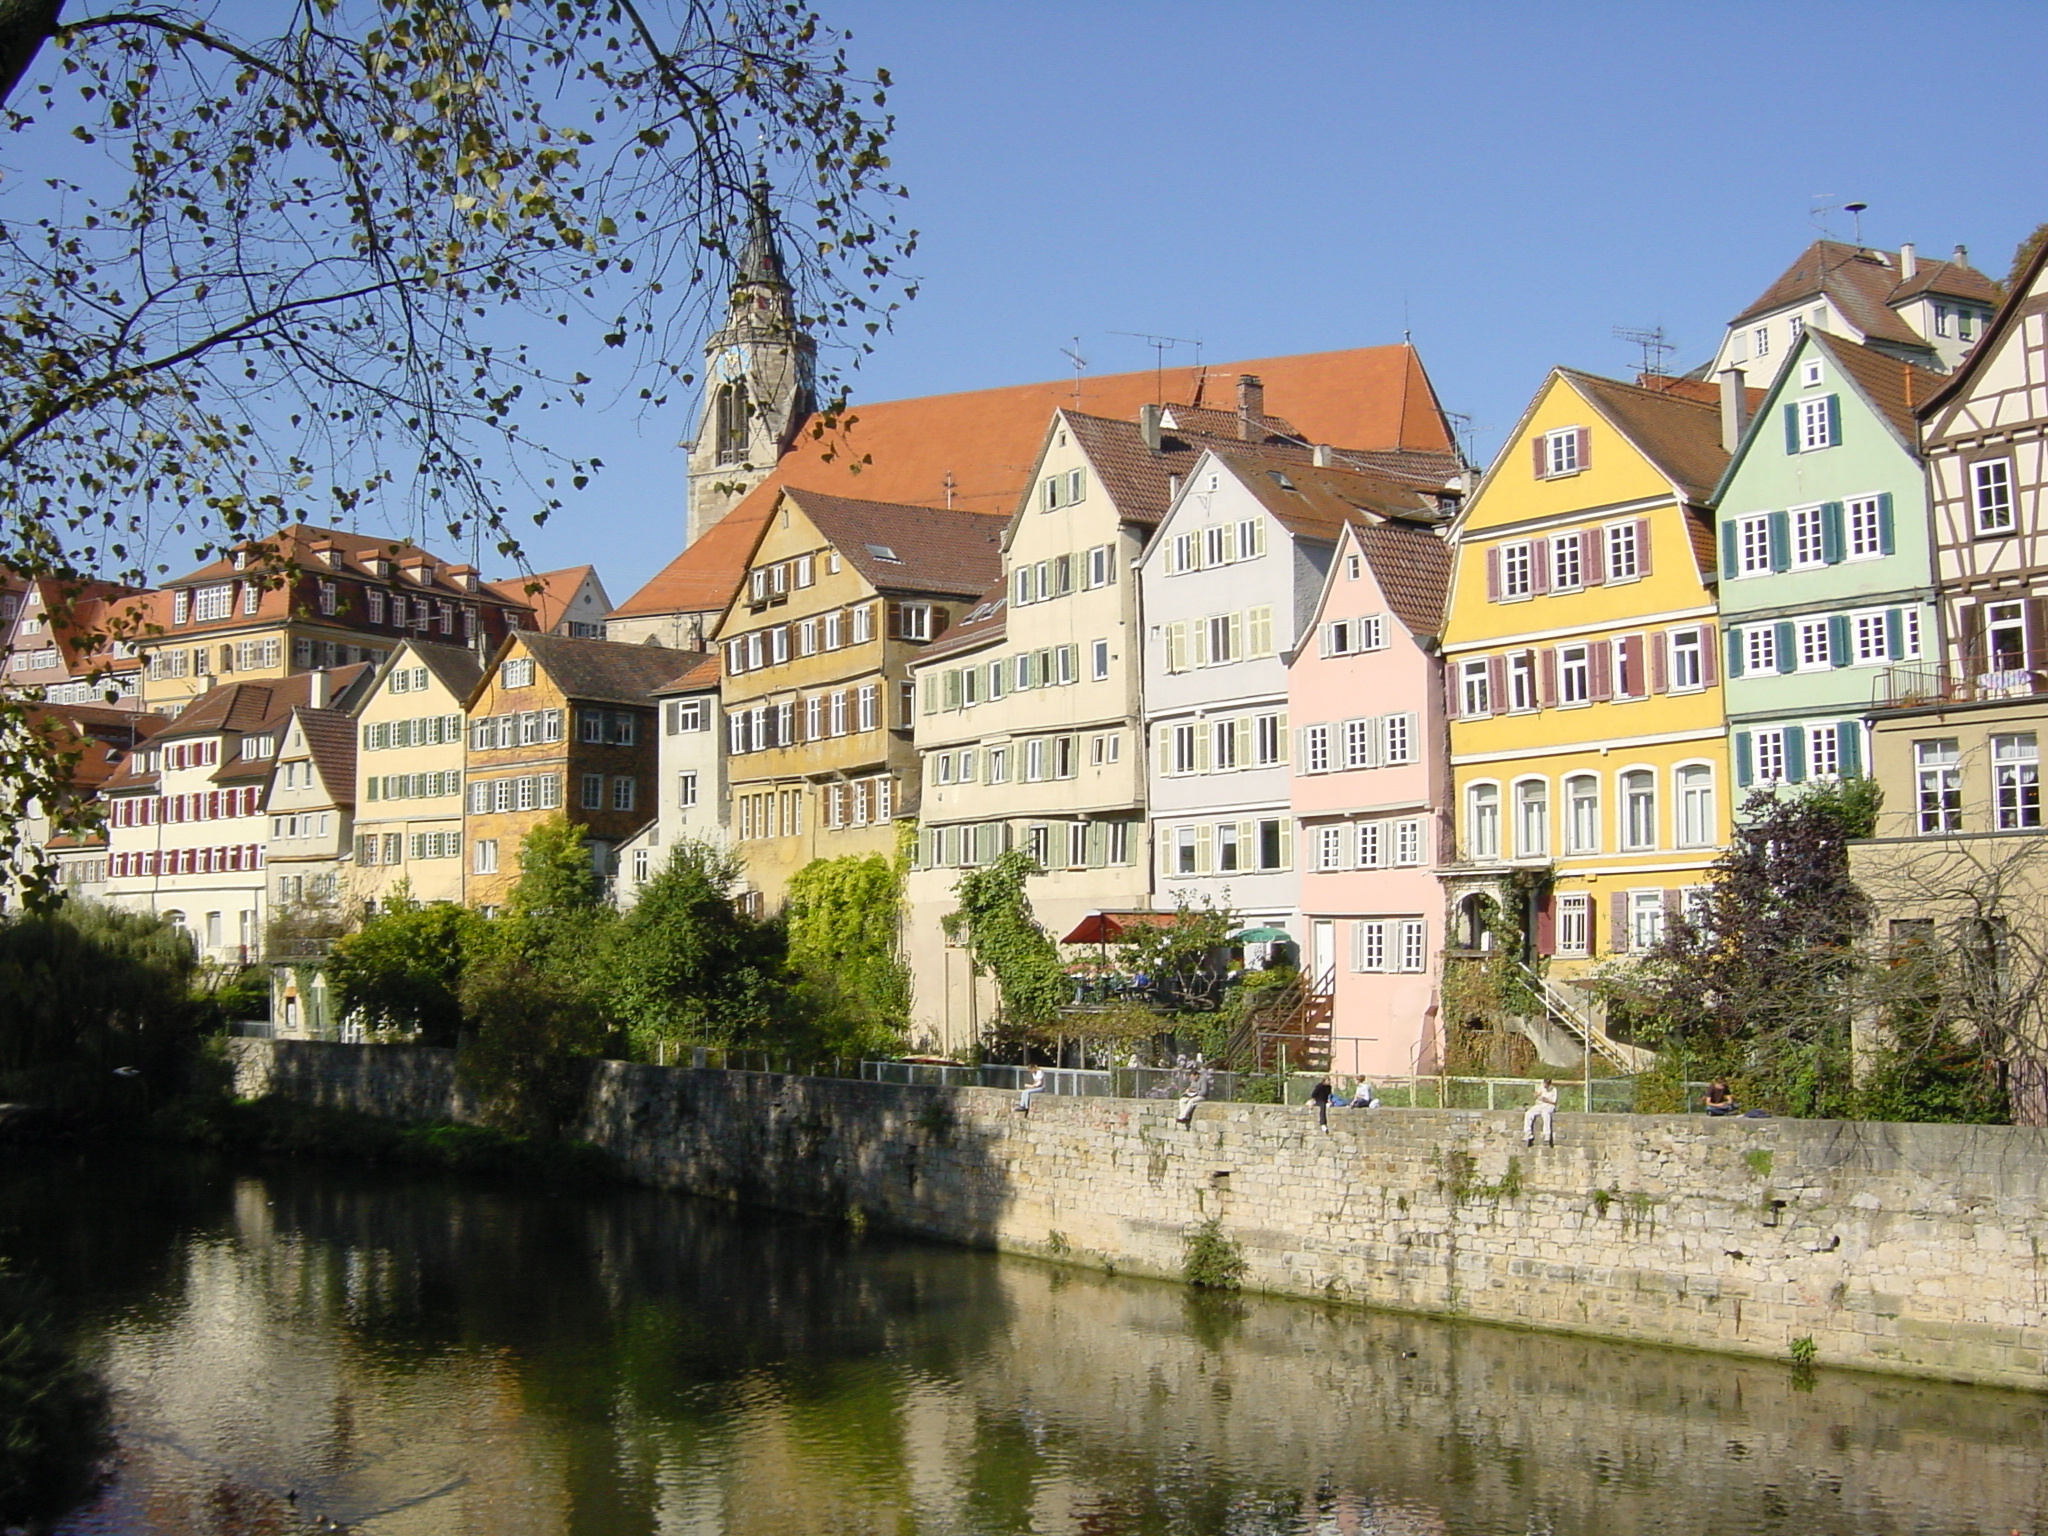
(1004, 940)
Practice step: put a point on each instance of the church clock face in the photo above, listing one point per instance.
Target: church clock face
(731, 365)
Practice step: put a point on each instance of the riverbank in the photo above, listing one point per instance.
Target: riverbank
(1905, 1248)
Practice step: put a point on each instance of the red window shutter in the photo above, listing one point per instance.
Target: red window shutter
(1493, 574)
(1585, 448)
(895, 621)
(1660, 664)
(1600, 662)
(1710, 655)
(1497, 682)
(1592, 557)
(1972, 617)
(1643, 546)
(1451, 692)
(1541, 445)
(1592, 924)
(1546, 923)
(1539, 565)
(941, 617)
(1617, 923)
(1546, 679)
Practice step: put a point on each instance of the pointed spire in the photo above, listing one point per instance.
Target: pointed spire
(761, 261)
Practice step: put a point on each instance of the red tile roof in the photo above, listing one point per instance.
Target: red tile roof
(1681, 436)
(1413, 567)
(600, 670)
(331, 743)
(1894, 387)
(547, 593)
(700, 674)
(901, 548)
(975, 450)
(1865, 283)
(1318, 502)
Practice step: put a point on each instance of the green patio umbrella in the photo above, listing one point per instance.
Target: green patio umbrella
(1262, 936)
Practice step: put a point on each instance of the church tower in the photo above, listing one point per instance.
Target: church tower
(758, 376)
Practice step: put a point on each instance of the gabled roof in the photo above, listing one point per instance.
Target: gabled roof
(331, 743)
(547, 593)
(103, 738)
(1412, 565)
(1864, 283)
(246, 707)
(602, 671)
(700, 674)
(1959, 382)
(976, 450)
(456, 667)
(985, 623)
(1316, 502)
(1680, 436)
(901, 548)
(1895, 389)
(349, 553)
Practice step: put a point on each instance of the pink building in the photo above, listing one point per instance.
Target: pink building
(1371, 790)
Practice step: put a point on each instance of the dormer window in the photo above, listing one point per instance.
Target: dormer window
(255, 748)
(1942, 320)
(181, 606)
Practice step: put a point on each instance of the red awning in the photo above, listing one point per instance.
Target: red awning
(1108, 927)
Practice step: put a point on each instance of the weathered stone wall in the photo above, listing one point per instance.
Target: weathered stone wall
(1897, 1247)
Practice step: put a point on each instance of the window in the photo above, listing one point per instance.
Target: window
(1753, 546)
(1563, 451)
(1696, 806)
(516, 673)
(1865, 518)
(1566, 572)
(486, 856)
(1940, 771)
(1574, 924)
(1368, 841)
(1639, 809)
(624, 792)
(1624, 557)
(863, 624)
(2016, 769)
(1812, 371)
(1270, 740)
(1517, 577)
(1767, 749)
(1397, 739)
(1274, 840)
(1105, 747)
(1251, 538)
(1223, 754)
(1532, 819)
(1315, 749)
(1942, 320)
(1408, 842)
(1823, 751)
(1482, 821)
(593, 792)
(2005, 634)
(1815, 647)
(1329, 847)
(1760, 649)
(871, 706)
(1645, 920)
(1475, 695)
(1809, 539)
(1369, 946)
(1101, 565)
(1816, 424)
(1687, 659)
(998, 765)
(1414, 955)
(1522, 694)
(1574, 675)
(1582, 813)
(1991, 495)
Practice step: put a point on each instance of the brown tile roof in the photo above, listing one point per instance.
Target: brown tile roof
(331, 743)
(103, 738)
(256, 706)
(1682, 437)
(984, 623)
(1685, 386)
(1988, 344)
(976, 450)
(1895, 388)
(1317, 503)
(547, 593)
(902, 548)
(351, 553)
(1864, 283)
(700, 674)
(458, 668)
(1413, 567)
(601, 670)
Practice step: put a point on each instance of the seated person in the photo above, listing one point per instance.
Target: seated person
(1720, 1101)
(1364, 1097)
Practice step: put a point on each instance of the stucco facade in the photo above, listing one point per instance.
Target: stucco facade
(693, 803)
(411, 747)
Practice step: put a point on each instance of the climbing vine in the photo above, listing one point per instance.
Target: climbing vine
(1004, 940)
(1490, 987)
(843, 916)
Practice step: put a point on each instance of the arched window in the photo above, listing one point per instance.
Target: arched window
(1582, 813)
(1482, 822)
(733, 427)
(1532, 819)
(1695, 806)
(1639, 809)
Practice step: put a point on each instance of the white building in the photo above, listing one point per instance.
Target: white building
(690, 785)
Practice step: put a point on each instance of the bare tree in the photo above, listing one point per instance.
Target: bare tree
(289, 268)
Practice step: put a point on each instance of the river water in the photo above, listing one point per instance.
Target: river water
(293, 1344)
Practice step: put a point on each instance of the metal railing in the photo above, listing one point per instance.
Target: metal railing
(1936, 683)
(1562, 1010)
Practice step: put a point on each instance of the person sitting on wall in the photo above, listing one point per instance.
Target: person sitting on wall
(1720, 1101)
(1364, 1097)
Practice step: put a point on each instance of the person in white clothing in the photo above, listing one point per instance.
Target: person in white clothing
(1545, 1110)
(1033, 1086)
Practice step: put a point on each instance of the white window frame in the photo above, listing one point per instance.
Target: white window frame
(1807, 529)
(1992, 504)
(1753, 545)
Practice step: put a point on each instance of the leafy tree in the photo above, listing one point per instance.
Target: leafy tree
(283, 257)
(557, 879)
(1005, 941)
(87, 990)
(2024, 254)
(843, 917)
(402, 970)
(1180, 955)
(1760, 984)
(687, 966)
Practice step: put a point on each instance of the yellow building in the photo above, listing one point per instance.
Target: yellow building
(1587, 733)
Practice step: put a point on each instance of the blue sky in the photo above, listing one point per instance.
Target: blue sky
(1509, 183)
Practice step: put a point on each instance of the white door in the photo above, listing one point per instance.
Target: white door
(1323, 953)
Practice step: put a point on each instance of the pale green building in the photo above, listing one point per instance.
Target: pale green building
(1825, 557)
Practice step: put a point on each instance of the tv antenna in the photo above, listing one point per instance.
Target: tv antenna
(1160, 346)
(1856, 211)
(1654, 344)
(1073, 355)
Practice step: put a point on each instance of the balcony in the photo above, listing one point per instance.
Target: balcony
(1911, 687)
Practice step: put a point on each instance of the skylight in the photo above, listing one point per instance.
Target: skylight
(884, 552)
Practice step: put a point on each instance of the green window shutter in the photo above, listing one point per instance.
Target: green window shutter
(1781, 541)
(1884, 522)
(1729, 555)
(1834, 421)
(1832, 543)
(1788, 648)
(1838, 640)
(1894, 633)
(1849, 733)
(1735, 653)
(1791, 428)
(1744, 771)
(1795, 754)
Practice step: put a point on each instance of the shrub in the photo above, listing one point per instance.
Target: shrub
(1210, 1261)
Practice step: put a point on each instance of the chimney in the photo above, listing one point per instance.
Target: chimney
(319, 690)
(1909, 262)
(1251, 404)
(1320, 455)
(1734, 407)
(1148, 426)
(1962, 256)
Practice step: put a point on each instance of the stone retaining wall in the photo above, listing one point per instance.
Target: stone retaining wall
(1906, 1248)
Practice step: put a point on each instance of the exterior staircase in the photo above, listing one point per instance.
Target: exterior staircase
(1570, 1016)
(1291, 1028)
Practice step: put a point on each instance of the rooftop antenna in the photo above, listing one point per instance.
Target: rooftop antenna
(1461, 427)
(1073, 355)
(1160, 346)
(952, 485)
(1857, 210)
(1654, 344)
